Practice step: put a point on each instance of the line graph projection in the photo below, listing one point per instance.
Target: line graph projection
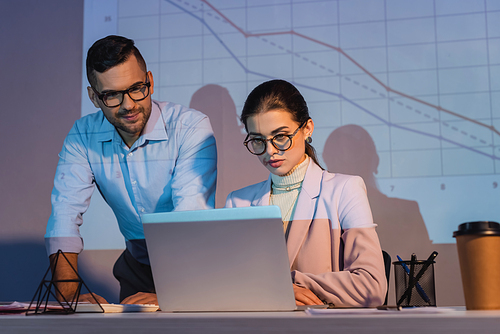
(294, 53)
(421, 77)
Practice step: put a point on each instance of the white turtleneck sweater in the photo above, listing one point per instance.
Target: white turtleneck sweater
(286, 189)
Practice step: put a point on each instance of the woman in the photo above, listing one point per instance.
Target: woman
(332, 245)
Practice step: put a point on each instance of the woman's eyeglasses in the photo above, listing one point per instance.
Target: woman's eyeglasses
(281, 142)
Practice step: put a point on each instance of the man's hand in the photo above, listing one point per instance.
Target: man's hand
(141, 298)
(304, 296)
(87, 297)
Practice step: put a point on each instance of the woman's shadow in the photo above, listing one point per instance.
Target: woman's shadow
(401, 229)
(350, 150)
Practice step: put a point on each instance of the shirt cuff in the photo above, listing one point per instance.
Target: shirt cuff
(65, 244)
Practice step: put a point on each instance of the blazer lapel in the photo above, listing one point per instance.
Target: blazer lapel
(263, 194)
(305, 209)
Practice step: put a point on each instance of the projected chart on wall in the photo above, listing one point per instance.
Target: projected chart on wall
(419, 79)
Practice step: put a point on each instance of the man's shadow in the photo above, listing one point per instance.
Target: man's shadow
(236, 167)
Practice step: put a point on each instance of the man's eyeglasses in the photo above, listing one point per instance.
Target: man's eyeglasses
(281, 142)
(115, 98)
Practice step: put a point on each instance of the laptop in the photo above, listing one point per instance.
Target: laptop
(231, 259)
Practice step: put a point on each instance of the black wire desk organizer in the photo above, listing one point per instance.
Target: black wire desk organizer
(48, 299)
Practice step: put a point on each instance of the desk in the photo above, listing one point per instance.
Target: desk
(456, 321)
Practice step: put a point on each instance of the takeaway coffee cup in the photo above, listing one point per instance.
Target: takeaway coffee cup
(478, 245)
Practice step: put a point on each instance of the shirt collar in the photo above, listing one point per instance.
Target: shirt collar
(154, 130)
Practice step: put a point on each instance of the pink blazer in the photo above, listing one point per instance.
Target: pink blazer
(332, 245)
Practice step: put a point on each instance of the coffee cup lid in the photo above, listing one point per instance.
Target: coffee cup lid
(478, 228)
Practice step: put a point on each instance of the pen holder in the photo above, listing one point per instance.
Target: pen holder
(414, 283)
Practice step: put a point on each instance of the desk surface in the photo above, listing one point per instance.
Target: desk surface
(454, 320)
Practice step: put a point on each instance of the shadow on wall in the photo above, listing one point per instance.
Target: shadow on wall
(236, 167)
(401, 229)
(350, 150)
(23, 265)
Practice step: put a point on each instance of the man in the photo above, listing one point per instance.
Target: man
(143, 155)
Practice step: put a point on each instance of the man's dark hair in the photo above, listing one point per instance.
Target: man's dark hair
(109, 52)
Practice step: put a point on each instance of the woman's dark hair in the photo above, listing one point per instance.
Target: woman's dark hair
(278, 94)
(109, 52)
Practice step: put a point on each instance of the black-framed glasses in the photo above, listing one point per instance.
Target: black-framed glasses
(115, 98)
(281, 142)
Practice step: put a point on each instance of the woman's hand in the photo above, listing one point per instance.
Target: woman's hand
(304, 296)
(141, 298)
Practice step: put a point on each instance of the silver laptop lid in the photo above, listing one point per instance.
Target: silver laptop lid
(231, 259)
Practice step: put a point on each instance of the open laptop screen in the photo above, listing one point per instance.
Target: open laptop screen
(231, 259)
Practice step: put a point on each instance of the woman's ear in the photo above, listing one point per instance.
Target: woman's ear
(309, 128)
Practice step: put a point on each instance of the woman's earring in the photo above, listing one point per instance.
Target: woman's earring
(309, 139)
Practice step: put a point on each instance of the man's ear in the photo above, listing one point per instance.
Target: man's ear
(151, 88)
(93, 97)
